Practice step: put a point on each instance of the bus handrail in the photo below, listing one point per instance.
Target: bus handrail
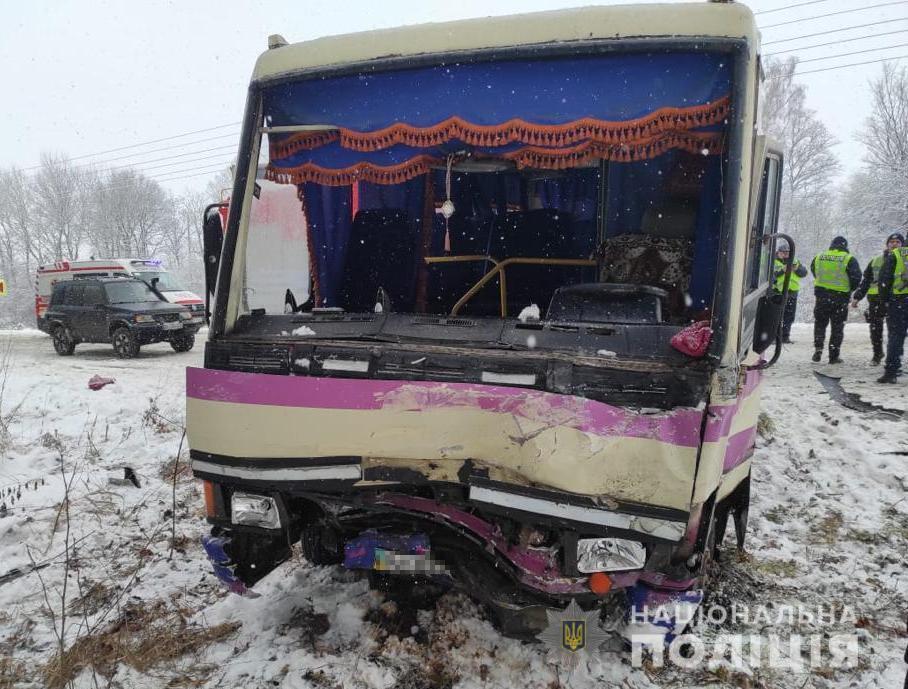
(499, 268)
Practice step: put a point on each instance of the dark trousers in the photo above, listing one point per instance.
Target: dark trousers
(788, 315)
(876, 316)
(897, 322)
(830, 310)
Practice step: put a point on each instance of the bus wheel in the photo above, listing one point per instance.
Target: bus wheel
(182, 343)
(125, 344)
(64, 343)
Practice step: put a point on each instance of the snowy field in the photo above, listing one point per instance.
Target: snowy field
(134, 604)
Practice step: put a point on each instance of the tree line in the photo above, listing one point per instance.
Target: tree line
(872, 201)
(61, 210)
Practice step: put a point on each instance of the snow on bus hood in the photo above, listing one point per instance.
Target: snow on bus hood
(180, 297)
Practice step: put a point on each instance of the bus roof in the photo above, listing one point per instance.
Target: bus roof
(703, 19)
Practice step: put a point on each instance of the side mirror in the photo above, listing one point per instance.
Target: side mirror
(769, 317)
(212, 240)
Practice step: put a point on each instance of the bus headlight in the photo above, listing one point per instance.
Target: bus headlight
(609, 555)
(254, 510)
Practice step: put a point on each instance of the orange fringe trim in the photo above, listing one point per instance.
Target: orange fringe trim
(706, 143)
(513, 131)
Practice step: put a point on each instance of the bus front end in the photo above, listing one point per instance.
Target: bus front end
(451, 337)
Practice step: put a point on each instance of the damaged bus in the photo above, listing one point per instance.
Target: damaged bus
(513, 339)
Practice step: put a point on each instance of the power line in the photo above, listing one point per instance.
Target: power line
(844, 40)
(853, 52)
(156, 150)
(852, 64)
(181, 162)
(831, 31)
(146, 143)
(173, 157)
(166, 176)
(789, 7)
(834, 14)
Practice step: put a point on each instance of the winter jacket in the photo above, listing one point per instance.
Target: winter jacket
(798, 270)
(870, 278)
(887, 277)
(853, 270)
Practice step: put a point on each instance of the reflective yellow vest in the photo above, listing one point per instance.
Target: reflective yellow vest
(830, 269)
(875, 265)
(900, 281)
(794, 284)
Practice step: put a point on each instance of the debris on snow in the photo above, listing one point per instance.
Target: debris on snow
(124, 476)
(304, 331)
(97, 382)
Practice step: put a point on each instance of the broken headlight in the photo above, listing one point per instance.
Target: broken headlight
(609, 555)
(254, 510)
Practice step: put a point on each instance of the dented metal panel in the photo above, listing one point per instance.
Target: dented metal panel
(527, 437)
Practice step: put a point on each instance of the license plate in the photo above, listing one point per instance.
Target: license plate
(176, 325)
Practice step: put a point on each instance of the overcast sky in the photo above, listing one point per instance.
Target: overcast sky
(80, 78)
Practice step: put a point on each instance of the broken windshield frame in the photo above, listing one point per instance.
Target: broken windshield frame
(251, 142)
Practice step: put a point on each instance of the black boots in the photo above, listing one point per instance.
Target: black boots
(888, 377)
(817, 355)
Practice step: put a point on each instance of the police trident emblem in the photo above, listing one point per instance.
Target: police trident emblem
(574, 635)
(572, 631)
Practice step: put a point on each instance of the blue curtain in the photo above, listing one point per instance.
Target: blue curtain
(612, 87)
(329, 219)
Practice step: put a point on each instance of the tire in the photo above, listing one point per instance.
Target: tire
(64, 342)
(124, 343)
(182, 343)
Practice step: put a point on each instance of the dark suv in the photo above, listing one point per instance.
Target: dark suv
(123, 311)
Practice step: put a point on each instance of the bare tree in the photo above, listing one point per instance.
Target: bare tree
(60, 206)
(131, 215)
(810, 162)
(885, 139)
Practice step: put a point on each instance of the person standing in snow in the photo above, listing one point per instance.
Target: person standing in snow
(870, 286)
(798, 271)
(894, 293)
(836, 275)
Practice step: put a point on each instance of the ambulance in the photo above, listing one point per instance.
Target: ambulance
(146, 269)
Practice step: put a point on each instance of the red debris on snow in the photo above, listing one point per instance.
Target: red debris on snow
(97, 382)
(694, 339)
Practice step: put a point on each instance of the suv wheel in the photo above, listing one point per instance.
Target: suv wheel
(64, 342)
(125, 344)
(183, 342)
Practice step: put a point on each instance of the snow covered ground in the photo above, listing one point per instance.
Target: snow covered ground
(829, 527)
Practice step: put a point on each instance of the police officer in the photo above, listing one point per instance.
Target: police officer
(798, 271)
(894, 293)
(870, 286)
(836, 275)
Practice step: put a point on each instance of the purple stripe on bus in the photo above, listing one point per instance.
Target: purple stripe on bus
(679, 427)
(739, 448)
(720, 417)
